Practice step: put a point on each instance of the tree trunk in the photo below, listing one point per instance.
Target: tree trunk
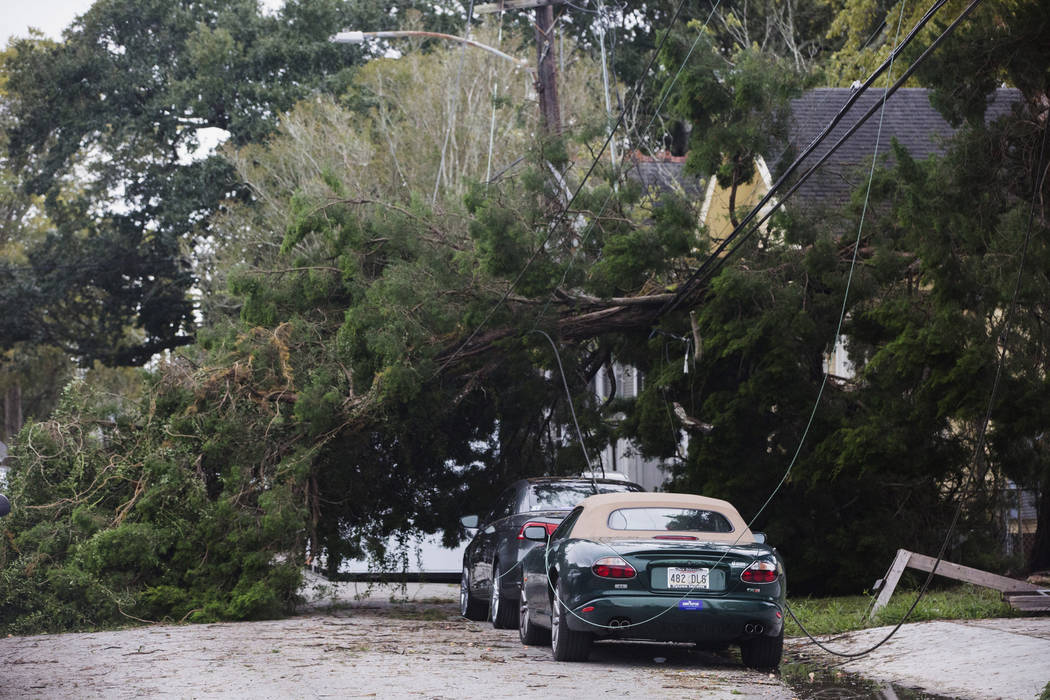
(732, 193)
(12, 411)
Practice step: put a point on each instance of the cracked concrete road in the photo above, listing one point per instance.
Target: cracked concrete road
(349, 647)
(976, 659)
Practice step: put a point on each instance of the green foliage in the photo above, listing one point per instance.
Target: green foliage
(118, 521)
(737, 104)
(133, 95)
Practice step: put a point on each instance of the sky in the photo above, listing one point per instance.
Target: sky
(50, 16)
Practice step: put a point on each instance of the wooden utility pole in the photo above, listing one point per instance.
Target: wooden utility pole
(546, 55)
(547, 69)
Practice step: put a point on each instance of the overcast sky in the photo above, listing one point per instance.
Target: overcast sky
(49, 16)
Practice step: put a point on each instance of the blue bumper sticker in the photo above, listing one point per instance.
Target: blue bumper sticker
(690, 604)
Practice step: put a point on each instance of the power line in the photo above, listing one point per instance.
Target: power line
(886, 65)
(983, 428)
(715, 260)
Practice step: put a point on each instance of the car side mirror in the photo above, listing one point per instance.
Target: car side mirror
(469, 521)
(536, 533)
(760, 537)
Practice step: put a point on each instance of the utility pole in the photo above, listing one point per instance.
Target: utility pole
(546, 55)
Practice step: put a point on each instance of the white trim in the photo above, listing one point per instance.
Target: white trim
(708, 196)
(767, 178)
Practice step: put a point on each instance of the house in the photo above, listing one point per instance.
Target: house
(623, 458)
(907, 118)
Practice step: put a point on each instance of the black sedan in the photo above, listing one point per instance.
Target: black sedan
(499, 545)
(656, 567)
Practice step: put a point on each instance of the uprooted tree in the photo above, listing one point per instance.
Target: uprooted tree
(371, 358)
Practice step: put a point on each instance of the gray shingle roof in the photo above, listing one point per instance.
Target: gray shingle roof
(666, 175)
(909, 118)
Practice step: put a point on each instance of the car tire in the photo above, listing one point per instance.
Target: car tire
(529, 633)
(469, 606)
(762, 653)
(567, 644)
(502, 612)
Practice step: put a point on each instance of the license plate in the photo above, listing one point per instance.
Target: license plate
(688, 578)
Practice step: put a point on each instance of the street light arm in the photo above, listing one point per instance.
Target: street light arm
(352, 37)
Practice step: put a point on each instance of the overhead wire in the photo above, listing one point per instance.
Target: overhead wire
(887, 64)
(715, 260)
(802, 440)
(885, 97)
(1040, 182)
(854, 97)
(816, 402)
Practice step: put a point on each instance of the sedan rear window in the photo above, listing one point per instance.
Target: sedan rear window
(561, 495)
(669, 519)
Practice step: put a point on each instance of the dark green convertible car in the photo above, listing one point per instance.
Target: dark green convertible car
(653, 566)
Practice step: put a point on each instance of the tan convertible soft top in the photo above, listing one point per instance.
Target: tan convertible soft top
(593, 523)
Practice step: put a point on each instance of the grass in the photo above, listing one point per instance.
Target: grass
(848, 613)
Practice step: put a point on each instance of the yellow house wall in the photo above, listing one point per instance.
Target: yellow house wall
(717, 210)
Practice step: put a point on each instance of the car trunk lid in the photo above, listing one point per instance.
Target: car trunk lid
(689, 566)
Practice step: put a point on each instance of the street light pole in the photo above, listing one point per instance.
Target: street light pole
(352, 37)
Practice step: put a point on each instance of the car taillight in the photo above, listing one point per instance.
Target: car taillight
(551, 527)
(760, 572)
(613, 567)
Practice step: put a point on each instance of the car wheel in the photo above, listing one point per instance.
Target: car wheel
(530, 634)
(469, 606)
(566, 644)
(763, 653)
(501, 611)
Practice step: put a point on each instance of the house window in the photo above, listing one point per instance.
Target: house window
(626, 382)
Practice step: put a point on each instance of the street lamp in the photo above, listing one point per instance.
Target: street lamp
(352, 37)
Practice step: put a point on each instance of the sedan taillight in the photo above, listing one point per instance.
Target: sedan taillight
(551, 527)
(760, 572)
(613, 567)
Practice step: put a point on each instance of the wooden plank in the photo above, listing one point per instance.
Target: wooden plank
(1038, 591)
(488, 8)
(1029, 603)
(1007, 586)
(969, 574)
(889, 583)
